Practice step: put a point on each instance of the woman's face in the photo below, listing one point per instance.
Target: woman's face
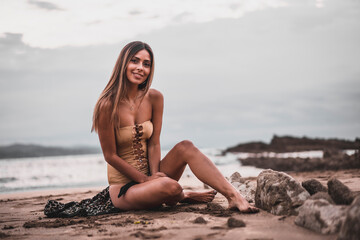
(138, 68)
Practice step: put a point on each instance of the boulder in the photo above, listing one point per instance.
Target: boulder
(235, 177)
(279, 193)
(350, 229)
(313, 186)
(321, 216)
(247, 189)
(322, 195)
(340, 193)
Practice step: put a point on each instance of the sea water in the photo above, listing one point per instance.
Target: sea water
(74, 171)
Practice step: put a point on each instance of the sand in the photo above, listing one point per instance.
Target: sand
(22, 217)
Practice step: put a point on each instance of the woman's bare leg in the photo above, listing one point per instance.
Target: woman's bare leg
(147, 195)
(204, 169)
(198, 197)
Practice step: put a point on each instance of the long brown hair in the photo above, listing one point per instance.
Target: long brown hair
(117, 87)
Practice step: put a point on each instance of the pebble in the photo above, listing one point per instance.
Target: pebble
(235, 223)
(200, 220)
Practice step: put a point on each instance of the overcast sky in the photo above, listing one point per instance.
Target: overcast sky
(230, 71)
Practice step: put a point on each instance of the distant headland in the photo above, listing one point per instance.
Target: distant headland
(33, 150)
(335, 154)
(295, 144)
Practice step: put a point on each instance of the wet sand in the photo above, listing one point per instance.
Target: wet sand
(22, 217)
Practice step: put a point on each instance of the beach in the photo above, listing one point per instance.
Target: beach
(22, 217)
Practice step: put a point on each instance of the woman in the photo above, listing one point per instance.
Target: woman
(128, 120)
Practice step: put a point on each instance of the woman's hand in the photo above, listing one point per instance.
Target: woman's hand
(155, 176)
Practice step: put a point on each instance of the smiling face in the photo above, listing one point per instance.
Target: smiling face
(139, 67)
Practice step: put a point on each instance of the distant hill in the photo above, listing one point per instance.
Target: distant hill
(32, 150)
(295, 144)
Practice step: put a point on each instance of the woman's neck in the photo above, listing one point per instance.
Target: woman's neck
(132, 93)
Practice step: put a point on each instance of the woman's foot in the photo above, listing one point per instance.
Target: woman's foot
(240, 203)
(198, 197)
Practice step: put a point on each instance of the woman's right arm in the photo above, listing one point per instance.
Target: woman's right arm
(108, 146)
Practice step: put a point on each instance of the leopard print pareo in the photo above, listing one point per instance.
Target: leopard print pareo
(98, 205)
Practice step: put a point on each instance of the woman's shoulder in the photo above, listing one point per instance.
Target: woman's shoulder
(155, 95)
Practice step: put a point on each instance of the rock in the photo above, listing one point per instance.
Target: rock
(247, 189)
(216, 210)
(214, 207)
(297, 164)
(200, 220)
(328, 153)
(313, 186)
(235, 177)
(294, 144)
(321, 216)
(279, 193)
(144, 235)
(4, 235)
(340, 193)
(7, 227)
(322, 195)
(350, 229)
(235, 223)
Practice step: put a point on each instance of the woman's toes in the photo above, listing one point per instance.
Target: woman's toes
(255, 210)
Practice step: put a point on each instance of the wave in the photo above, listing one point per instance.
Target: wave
(25, 174)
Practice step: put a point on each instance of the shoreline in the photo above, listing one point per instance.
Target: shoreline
(225, 169)
(22, 217)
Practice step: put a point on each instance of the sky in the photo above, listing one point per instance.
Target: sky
(230, 71)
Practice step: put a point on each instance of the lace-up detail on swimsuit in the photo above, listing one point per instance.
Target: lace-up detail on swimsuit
(137, 146)
(131, 146)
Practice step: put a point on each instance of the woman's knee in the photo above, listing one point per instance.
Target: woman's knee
(185, 146)
(170, 187)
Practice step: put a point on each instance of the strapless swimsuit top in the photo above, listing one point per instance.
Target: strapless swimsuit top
(131, 146)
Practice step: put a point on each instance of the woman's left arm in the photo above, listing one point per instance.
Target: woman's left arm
(154, 150)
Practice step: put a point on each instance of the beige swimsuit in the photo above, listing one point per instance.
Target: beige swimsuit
(131, 146)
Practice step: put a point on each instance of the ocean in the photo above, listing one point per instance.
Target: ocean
(76, 171)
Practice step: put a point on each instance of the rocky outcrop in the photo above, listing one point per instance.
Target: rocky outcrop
(340, 193)
(321, 216)
(322, 195)
(319, 213)
(350, 229)
(335, 162)
(247, 188)
(334, 157)
(295, 144)
(279, 193)
(313, 186)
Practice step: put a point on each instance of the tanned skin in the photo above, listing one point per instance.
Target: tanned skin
(162, 185)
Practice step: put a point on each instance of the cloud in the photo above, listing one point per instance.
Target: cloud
(10, 43)
(277, 71)
(135, 12)
(129, 18)
(47, 95)
(95, 22)
(181, 17)
(269, 72)
(44, 5)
